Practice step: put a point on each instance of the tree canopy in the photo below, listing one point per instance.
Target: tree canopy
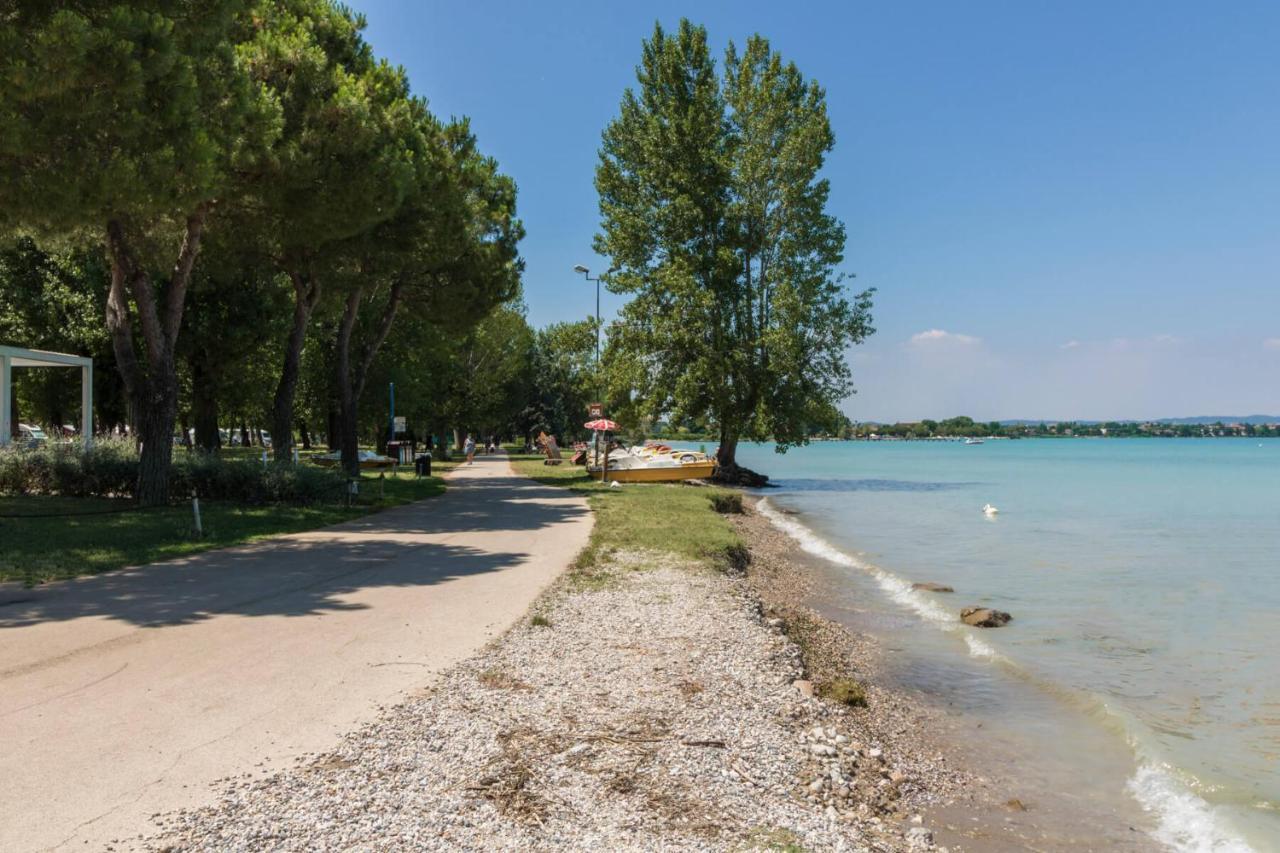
(231, 158)
(713, 211)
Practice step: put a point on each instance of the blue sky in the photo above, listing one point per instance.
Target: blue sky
(1068, 210)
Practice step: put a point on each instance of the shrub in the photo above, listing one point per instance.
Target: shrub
(734, 558)
(844, 691)
(110, 469)
(250, 482)
(727, 502)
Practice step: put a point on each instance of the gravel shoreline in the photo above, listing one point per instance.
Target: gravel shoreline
(649, 705)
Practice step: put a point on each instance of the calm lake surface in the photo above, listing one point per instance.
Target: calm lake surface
(1144, 580)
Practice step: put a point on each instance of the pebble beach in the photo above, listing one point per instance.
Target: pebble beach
(649, 705)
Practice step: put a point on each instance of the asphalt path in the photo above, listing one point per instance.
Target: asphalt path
(127, 694)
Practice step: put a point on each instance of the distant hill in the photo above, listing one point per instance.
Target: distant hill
(1226, 419)
(1200, 420)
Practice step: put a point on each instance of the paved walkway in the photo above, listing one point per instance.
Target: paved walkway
(127, 694)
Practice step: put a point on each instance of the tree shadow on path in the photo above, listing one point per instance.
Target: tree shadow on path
(317, 571)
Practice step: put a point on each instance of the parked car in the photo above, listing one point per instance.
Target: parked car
(31, 436)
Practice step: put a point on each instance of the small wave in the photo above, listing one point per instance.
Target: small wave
(1186, 822)
(897, 588)
(867, 485)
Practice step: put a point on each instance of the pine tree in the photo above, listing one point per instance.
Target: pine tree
(127, 120)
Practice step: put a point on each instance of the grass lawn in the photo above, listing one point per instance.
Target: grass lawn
(665, 517)
(61, 538)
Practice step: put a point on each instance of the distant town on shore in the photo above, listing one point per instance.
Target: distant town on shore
(1253, 426)
(962, 427)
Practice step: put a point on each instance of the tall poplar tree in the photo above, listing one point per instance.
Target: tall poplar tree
(714, 214)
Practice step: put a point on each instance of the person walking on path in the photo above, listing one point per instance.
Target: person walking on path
(469, 449)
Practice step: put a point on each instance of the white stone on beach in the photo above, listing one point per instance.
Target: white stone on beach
(919, 835)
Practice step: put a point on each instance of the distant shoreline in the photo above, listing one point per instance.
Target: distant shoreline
(954, 438)
(961, 438)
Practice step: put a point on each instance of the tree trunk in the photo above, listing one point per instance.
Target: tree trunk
(204, 410)
(727, 452)
(153, 390)
(348, 440)
(333, 425)
(204, 406)
(304, 433)
(728, 470)
(306, 293)
(56, 419)
(351, 383)
(157, 413)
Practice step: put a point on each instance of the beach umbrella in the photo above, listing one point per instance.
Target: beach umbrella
(601, 424)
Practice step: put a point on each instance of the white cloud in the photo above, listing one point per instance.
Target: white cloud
(935, 336)
(1271, 343)
(1071, 344)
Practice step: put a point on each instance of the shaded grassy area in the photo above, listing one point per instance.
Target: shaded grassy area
(58, 538)
(673, 518)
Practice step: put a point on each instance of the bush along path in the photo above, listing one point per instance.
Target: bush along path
(64, 514)
(129, 693)
(646, 702)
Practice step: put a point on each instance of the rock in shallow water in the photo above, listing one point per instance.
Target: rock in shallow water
(930, 586)
(984, 617)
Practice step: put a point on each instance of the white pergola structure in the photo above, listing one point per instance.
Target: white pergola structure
(11, 357)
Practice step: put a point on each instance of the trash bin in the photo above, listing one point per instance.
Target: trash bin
(422, 465)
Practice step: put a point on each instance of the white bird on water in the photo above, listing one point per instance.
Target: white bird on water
(989, 510)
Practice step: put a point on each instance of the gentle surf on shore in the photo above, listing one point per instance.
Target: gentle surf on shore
(1135, 573)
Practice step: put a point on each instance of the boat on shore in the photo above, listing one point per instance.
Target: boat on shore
(654, 464)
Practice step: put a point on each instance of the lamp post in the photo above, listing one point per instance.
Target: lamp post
(586, 273)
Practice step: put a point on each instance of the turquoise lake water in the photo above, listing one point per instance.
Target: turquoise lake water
(1144, 580)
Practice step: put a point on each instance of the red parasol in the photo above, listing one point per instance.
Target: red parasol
(601, 424)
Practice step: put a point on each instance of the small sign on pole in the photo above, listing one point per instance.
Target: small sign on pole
(595, 410)
(399, 424)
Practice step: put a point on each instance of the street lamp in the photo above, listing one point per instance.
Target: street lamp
(586, 273)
